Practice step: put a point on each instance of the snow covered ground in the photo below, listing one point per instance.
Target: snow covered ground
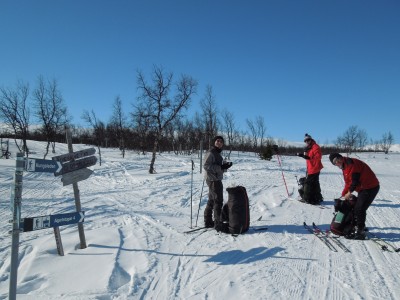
(136, 248)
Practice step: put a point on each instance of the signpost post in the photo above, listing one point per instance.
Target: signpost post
(19, 168)
(81, 232)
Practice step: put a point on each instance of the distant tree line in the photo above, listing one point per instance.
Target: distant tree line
(157, 122)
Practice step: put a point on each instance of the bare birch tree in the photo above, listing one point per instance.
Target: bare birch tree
(50, 110)
(14, 111)
(209, 113)
(387, 141)
(229, 127)
(99, 129)
(163, 109)
(253, 133)
(118, 122)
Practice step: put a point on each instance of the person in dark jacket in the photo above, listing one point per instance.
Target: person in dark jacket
(214, 167)
(312, 154)
(358, 177)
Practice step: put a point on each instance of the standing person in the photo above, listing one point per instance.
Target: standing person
(312, 154)
(214, 168)
(358, 177)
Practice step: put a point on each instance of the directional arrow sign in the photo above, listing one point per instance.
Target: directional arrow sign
(43, 222)
(42, 165)
(77, 164)
(74, 155)
(76, 176)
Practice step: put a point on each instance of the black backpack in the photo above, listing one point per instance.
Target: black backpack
(301, 183)
(236, 211)
(343, 221)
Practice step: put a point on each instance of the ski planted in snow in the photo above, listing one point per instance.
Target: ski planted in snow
(320, 236)
(336, 240)
(384, 245)
(196, 229)
(259, 228)
(316, 205)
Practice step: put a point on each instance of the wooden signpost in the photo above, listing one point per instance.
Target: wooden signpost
(76, 176)
(74, 155)
(43, 222)
(76, 165)
(73, 168)
(42, 165)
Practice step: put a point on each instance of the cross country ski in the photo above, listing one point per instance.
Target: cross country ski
(381, 243)
(328, 234)
(320, 236)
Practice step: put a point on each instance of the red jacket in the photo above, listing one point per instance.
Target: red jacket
(314, 164)
(357, 175)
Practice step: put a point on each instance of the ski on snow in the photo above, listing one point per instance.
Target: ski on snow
(382, 244)
(322, 237)
(256, 229)
(197, 229)
(328, 234)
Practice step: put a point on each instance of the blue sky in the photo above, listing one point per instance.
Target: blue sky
(305, 66)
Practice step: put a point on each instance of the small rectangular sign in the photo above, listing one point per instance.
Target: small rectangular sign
(74, 155)
(77, 164)
(42, 165)
(75, 176)
(43, 222)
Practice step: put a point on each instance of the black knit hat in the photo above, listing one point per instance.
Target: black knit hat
(332, 156)
(307, 137)
(218, 137)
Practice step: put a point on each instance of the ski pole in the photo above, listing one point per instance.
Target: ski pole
(201, 195)
(275, 147)
(191, 196)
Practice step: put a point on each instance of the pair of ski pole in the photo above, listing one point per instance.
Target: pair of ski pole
(275, 147)
(191, 198)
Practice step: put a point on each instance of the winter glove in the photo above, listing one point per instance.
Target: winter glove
(337, 204)
(226, 165)
(303, 155)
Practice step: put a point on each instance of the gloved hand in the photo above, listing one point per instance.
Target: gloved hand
(226, 165)
(300, 154)
(337, 204)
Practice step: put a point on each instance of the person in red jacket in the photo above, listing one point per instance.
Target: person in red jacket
(358, 177)
(312, 154)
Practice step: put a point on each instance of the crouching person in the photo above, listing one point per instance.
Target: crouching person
(358, 177)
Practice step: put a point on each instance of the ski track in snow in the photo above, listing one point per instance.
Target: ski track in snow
(150, 258)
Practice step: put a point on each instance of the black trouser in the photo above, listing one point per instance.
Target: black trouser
(365, 198)
(214, 203)
(312, 189)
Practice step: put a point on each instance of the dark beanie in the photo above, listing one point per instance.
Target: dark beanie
(307, 137)
(332, 156)
(218, 137)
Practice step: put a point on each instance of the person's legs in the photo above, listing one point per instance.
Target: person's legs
(312, 191)
(218, 201)
(208, 211)
(365, 198)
